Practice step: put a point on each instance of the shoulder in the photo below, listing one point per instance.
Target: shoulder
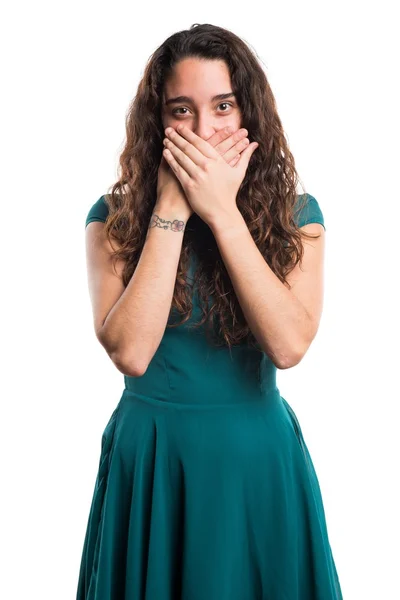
(307, 210)
(98, 211)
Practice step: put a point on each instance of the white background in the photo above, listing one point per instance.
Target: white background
(69, 71)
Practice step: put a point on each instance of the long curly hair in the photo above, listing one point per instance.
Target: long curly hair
(267, 198)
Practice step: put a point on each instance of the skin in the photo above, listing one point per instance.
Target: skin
(283, 317)
(130, 322)
(206, 119)
(200, 80)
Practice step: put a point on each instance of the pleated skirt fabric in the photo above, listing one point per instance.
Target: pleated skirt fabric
(206, 502)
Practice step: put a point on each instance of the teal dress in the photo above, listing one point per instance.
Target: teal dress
(205, 488)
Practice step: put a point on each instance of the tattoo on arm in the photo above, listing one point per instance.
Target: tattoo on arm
(157, 221)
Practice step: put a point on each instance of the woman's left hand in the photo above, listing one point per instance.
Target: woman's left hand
(209, 182)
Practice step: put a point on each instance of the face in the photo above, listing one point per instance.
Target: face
(199, 81)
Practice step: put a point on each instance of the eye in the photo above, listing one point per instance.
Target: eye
(226, 104)
(174, 112)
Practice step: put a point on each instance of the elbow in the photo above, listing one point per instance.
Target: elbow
(291, 358)
(122, 359)
(288, 363)
(295, 353)
(127, 366)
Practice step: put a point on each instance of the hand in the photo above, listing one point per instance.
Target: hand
(229, 145)
(170, 192)
(209, 182)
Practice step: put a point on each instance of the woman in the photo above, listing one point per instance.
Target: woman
(206, 489)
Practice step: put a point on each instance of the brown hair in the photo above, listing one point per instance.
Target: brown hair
(267, 198)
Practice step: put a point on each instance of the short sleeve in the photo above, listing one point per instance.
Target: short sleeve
(98, 212)
(310, 213)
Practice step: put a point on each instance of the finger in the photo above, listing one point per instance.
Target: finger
(234, 162)
(193, 145)
(180, 173)
(236, 149)
(219, 136)
(191, 168)
(227, 144)
(224, 141)
(246, 155)
(182, 150)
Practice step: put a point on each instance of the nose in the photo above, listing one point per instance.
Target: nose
(205, 128)
(205, 132)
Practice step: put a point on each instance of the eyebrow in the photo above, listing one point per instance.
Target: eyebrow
(190, 100)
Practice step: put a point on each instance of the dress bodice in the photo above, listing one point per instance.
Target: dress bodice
(186, 367)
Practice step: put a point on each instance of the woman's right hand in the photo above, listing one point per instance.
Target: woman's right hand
(169, 190)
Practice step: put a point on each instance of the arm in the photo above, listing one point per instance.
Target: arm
(130, 322)
(284, 321)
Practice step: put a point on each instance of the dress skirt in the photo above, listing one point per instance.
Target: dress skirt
(200, 501)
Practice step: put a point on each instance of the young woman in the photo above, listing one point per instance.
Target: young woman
(205, 272)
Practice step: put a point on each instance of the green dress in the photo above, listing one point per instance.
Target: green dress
(205, 488)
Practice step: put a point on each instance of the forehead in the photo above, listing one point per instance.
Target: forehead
(198, 78)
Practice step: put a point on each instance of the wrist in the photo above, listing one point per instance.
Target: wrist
(227, 223)
(168, 209)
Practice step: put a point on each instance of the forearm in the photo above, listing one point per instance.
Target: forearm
(134, 327)
(278, 320)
